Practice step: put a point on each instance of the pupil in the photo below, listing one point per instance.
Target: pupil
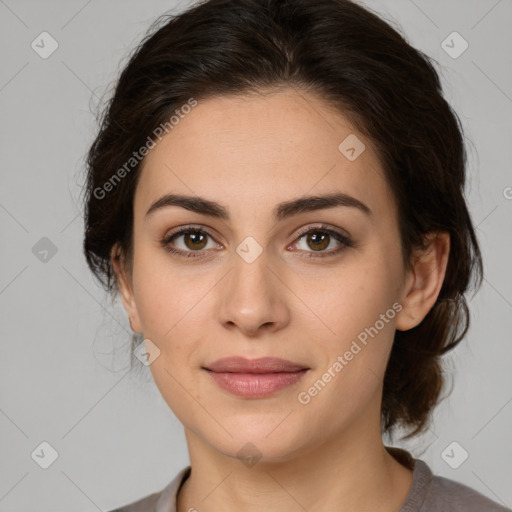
(192, 236)
(319, 239)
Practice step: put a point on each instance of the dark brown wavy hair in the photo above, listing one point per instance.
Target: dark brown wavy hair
(358, 64)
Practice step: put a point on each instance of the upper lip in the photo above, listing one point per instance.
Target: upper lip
(260, 365)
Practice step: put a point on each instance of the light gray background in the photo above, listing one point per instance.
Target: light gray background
(64, 360)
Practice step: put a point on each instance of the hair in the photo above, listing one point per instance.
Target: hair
(359, 65)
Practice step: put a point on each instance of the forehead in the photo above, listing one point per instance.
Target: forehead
(261, 149)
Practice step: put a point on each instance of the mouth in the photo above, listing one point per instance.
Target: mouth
(261, 365)
(255, 378)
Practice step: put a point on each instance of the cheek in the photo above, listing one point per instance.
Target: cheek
(359, 311)
(163, 296)
(171, 304)
(360, 308)
(356, 297)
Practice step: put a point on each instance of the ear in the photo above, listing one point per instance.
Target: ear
(125, 285)
(424, 281)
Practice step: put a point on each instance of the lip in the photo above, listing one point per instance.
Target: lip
(261, 365)
(255, 378)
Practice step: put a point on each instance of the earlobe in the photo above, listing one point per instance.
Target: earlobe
(424, 281)
(125, 288)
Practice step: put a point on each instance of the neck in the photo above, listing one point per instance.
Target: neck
(346, 473)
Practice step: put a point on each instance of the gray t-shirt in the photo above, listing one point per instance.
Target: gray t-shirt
(428, 493)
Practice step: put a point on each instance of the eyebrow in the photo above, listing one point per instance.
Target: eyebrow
(282, 211)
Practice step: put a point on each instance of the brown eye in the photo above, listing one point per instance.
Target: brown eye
(194, 240)
(187, 242)
(317, 240)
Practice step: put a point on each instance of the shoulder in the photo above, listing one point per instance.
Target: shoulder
(146, 504)
(433, 493)
(451, 496)
(159, 501)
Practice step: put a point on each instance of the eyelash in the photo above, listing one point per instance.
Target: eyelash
(343, 239)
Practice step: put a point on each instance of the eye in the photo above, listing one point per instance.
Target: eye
(320, 238)
(194, 240)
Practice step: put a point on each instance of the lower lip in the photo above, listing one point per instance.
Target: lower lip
(255, 385)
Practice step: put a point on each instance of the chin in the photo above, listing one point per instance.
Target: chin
(259, 441)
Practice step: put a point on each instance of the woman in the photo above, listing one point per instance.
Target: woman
(277, 193)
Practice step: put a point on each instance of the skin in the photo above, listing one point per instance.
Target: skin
(250, 153)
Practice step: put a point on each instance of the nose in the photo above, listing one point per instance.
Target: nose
(253, 298)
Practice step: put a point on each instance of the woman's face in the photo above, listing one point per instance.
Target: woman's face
(256, 284)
